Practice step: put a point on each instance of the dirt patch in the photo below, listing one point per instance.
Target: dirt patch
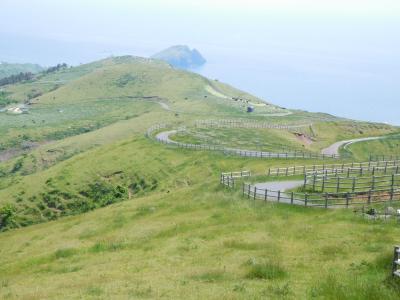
(304, 139)
(24, 148)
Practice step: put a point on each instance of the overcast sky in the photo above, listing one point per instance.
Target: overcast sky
(150, 23)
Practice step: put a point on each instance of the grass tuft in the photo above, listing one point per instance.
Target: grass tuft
(266, 270)
(211, 276)
(65, 253)
(104, 246)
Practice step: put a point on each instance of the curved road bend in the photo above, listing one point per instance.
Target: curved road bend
(334, 148)
(165, 137)
(329, 151)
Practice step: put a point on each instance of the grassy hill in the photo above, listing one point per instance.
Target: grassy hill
(123, 216)
(8, 69)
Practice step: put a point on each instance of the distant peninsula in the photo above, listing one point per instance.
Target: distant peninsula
(9, 69)
(181, 56)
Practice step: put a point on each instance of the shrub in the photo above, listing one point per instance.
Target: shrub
(7, 216)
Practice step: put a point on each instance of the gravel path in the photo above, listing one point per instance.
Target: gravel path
(165, 138)
(280, 186)
(334, 148)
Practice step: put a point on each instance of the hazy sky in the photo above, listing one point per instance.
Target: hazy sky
(143, 24)
(320, 48)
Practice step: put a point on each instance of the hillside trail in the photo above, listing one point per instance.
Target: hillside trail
(282, 186)
(164, 137)
(334, 148)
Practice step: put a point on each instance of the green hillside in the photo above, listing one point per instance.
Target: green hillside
(8, 69)
(92, 208)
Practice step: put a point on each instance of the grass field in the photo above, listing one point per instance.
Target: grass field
(197, 242)
(389, 146)
(99, 211)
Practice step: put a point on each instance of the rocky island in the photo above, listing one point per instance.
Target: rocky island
(181, 56)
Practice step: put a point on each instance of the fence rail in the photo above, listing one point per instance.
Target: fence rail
(384, 157)
(228, 179)
(154, 128)
(325, 200)
(337, 183)
(332, 168)
(236, 152)
(242, 123)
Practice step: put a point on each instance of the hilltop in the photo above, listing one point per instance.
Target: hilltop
(92, 206)
(181, 57)
(8, 69)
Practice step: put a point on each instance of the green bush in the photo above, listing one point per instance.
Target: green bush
(7, 216)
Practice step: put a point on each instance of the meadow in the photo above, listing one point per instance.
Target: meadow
(98, 210)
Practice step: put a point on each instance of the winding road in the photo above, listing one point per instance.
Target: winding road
(164, 137)
(334, 148)
(331, 151)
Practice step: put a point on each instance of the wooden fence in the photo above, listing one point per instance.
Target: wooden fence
(228, 179)
(384, 157)
(331, 168)
(154, 128)
(396, 262)
(236, 152)
(242, 123)
(249, 153)
(353, 184)
(325, 200)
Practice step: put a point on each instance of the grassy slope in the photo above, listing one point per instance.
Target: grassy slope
(389, 146)
(177, 234)
(196, 242)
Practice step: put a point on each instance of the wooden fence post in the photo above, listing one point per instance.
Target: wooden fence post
(314, 181)
(326, 200)
(395, 261)
(279, 196)
(347, 199)
(392, 183)
(292, 198)
(255, 192)
(338, 185)
(391, 195)
(266, 195)
(305, 199)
